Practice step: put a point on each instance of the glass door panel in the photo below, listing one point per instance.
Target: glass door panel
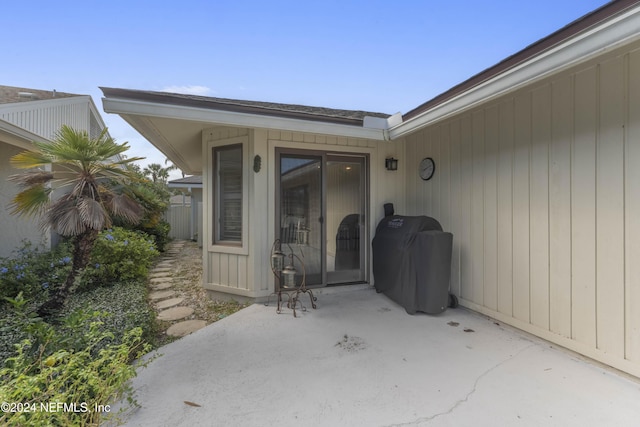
(301, 214)
(345, 209)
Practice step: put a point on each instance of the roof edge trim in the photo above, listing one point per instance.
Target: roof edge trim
(606, 36)
(123, 106)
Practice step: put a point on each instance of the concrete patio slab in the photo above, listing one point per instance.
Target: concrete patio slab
(360, 360)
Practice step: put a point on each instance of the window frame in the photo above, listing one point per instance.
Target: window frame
(214, 242)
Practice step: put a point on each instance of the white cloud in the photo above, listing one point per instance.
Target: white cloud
(190, 90)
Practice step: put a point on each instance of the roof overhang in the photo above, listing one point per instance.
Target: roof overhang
(612, 33)
(17, 136)
(176, 130)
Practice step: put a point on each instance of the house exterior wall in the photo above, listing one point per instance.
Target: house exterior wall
(15, 230)
(541, 190)
(46, 117)
(248, 274)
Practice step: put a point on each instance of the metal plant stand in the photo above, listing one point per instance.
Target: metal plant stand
(286, 286)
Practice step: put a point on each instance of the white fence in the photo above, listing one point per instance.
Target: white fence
(185, 224)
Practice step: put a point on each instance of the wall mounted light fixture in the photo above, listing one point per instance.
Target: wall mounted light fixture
(391, 164)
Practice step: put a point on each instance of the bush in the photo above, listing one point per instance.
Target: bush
(122, 307)
(75, 377)
(159, 232)
(118, 255)
(33, 272)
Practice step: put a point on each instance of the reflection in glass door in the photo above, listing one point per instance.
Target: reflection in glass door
(300, 212)
(345, 201)
(320, 214)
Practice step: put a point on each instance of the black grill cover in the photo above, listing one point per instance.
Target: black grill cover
(412, 262)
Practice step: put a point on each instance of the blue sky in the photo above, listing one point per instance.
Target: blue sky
(367, 55)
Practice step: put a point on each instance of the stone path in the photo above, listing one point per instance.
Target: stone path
(166, 301)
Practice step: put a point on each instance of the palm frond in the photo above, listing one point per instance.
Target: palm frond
(31, 201)
(125, 208)
(65, 218)
(93, 214)
(30, 160)
(31, 177)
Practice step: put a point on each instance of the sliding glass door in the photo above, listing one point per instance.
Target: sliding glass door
(321, 206)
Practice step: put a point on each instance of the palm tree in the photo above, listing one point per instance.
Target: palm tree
(173, 167)
(156, 172)
(92, 176)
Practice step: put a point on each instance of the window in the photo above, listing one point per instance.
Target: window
(228, 187)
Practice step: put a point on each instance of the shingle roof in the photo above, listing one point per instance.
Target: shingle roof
(12, 94)
(294, 111)
(194, 179)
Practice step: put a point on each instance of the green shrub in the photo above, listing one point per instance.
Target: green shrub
(34, 271)
(122, 306)
(18, 322)
(159, 232)
(118, 255)
(73, 377)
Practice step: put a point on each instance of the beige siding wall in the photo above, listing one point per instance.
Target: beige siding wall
(541, 190)
(249, 275)
(222, 271)
(15, 229)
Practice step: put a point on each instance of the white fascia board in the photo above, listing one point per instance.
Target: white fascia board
(188, 186)
(18, 136)
(125, 106)
(614, 33)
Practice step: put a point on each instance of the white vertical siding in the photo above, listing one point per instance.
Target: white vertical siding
(610, 209)
(583, 204)
(45, 118)
(542, 198)
(632, 210)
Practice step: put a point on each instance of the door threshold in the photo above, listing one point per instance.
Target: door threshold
(334, 289)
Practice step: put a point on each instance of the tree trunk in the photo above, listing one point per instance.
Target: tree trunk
(82, 246)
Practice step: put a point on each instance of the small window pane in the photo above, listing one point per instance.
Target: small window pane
(228, 173)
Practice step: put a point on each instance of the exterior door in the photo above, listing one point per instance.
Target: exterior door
(320, 215)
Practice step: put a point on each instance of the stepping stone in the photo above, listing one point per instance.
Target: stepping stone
(162, 286)
(175, 313)
(181, 329)
(158, 280)
(164, 264)
(161, 295)
(161, 270)
(162, 274)
(164, 304)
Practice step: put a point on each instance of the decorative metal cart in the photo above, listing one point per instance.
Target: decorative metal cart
(285, 275)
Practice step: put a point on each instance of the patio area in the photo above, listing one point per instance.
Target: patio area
(360, 360)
